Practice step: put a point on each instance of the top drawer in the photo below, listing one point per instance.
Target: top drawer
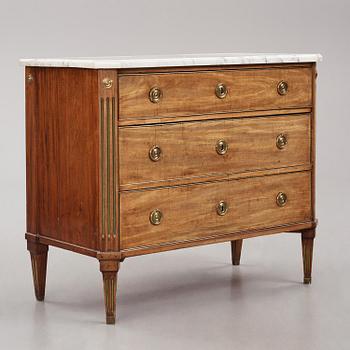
(191, 93)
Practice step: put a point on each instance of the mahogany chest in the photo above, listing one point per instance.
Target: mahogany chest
(132, 156)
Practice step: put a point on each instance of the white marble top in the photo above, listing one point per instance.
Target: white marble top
(171, 60)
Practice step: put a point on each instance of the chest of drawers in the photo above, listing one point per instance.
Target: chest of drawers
(132, 156)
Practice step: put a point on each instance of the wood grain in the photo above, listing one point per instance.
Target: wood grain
(189, 149)
(62, 153)
(194, 92)
(190, 211)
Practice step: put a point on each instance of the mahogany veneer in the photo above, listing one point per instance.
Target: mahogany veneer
(228, 167)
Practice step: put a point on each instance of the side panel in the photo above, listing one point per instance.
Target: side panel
(62, 121)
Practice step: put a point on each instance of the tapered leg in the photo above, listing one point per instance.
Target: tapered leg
(307, 241)
(38, 255)
(109, 269)
(236, 248)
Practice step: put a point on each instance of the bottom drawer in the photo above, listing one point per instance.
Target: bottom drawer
(201, 210)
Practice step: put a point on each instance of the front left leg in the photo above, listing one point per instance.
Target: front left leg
(109, 269)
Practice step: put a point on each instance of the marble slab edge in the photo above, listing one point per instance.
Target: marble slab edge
(171, 61)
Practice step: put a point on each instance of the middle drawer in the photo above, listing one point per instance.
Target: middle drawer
(192, 149)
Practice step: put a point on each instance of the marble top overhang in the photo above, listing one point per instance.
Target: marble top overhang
(172, 60)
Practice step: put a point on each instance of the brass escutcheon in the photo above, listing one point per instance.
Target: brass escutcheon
(222, 208)
(155, 94)
(107, 83)
(155, 217)
(281, 141)
(221, 147)
(282, 87)
(281, 199)
(155, 153)
(221, 91)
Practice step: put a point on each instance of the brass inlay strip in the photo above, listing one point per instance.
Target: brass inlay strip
(102, 165)
(108, 168)
(219, 69)
(114, 169)
(279, 228)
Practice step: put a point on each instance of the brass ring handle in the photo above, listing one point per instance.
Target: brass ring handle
(221, 91)
(281, 141)
(155, 217)
(281, 199)
(155, 153)
(155, 94)
(221, 147)
(222, 208)
(282, 87)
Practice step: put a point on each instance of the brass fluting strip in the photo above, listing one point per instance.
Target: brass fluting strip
(114, 169)
(102, 165)
(108, 169)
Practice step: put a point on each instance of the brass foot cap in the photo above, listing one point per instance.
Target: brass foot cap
(307, 280)
(110, 320)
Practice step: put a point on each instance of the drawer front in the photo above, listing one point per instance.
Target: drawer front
(193, 93)
(191, 212)
(193, 149)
